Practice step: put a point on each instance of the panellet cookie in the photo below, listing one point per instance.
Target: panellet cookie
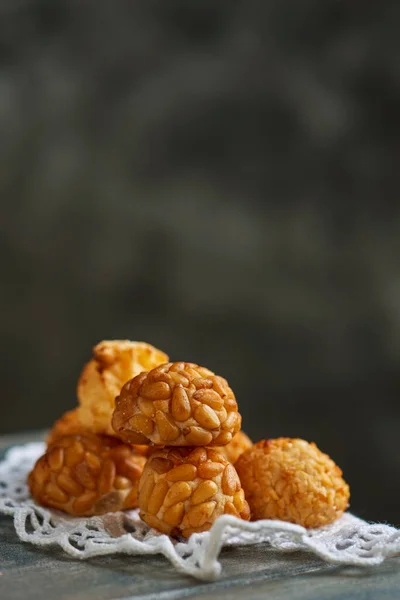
(114, 363)
(177, 404)
(70, 424)
(87, 475)
(183, 490)
(239, 444)
(292, 480)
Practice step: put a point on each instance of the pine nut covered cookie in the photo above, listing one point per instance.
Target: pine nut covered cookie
(183, 490)
(114, 363)
(70, 424)
(177, 404)
(239, 444)
(292, 480)
(86, 475)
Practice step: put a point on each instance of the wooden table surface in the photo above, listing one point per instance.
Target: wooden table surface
(254, 572)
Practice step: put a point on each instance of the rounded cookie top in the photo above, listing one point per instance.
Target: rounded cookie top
(183, 490)
(292, 480)
(177, 404)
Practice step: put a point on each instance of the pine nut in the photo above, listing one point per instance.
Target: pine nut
(180, 405)
(158, 390)
(230, 481)
(146, 407)
(84, 503)
(206, 490)
(206, 417)
(157, 496)
(85, 476)
(198, 437)
(168, 431)
(69, 485)
(146, 486)
(107, 475)
(55, 493)
(199, 514)
(185, 472)
(208, 470)
(141, 424)
(173, 515)
(178, 492)
(209, 397)
(56, 458)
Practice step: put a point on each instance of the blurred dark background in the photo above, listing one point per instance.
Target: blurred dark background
(221, 179)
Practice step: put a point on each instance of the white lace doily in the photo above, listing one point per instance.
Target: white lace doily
(348, 541)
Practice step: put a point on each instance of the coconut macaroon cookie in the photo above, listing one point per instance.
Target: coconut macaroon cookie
(114, 363)
(292, 480)
(183, 490)
(177, 404)
(87, 475)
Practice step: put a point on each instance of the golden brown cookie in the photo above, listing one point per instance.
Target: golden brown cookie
(87, 475)
(177, 404)
(184, 490)
(69, 424)
(239, 444)
(292, 480)
(114, 363)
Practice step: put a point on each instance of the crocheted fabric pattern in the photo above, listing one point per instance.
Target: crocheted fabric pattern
(348, 541)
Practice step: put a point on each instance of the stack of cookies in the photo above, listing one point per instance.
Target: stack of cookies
(86, 469)
(186, 412)
(166, 438)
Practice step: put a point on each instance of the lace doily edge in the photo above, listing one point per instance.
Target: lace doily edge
(348, 541)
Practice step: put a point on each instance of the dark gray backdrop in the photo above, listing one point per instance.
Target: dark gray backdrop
(219, 178)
